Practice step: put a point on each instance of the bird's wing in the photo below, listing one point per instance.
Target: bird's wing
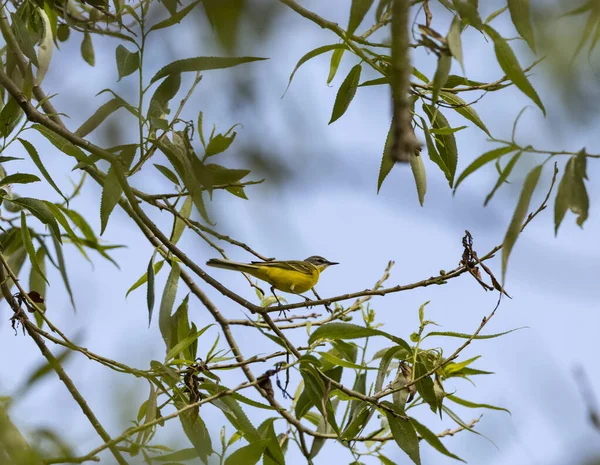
(290, 265)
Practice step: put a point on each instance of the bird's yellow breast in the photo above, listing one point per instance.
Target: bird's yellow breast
(289, 280)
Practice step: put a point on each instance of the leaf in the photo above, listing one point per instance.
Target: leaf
(99, 116)
(184, 344)
(358, 10)
(455, 42)
(9, 117)
(404, 433)
(418, 169)
(219, 144)
(346, 93)
(386, 161)
(432, 439)
(87, 49)
(49, 20)
(62, 268)
(248, 455)
(510, 65)
(24, 38)
(127, 62)
(150, 289)
(273, 454)
(41, 211)
(37, 281)
(572, 193)
(313, 53)
(446, 144)
(144, 278)
(337, 361)
(494, 14)
(482, 160)
(18, 178)
(201, 64)
(174, 18)
(181, 455)
(339, 330)
(469, 336)
(62, 144)
(441, 76)
(425, 386)
(167, 173)
(503, 176)
(519, 215)
(33, 154)
(336, 58)
(29, 246)
(469, 404)
(465, 110)
(163, 95)
(521, 18)
(111, 194)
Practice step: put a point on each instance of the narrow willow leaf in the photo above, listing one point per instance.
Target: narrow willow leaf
(150, 289)
(344, 331)
(346, 93)
(195, 429)
(62, 144)
(99, 116)
(33, 154)
(46, 43)
(24, 38)
(441, 75)
(464, 109)
(201, 64)
(510, 65)
(248, 455)
(273, 453)
(521, 17)
(178, 224)
(376, 82)
(336, 59)
(385, 461)
(144, 278)
(384, 365)
(185, 343)
(418, 169)
(178, 456)
(167, 173)
(62, 268)
(432, 439)
(164, 93)
(18, 178)
(358, 10)
(313, 53)
(111, 194)
(495, 14)
(434, 156)
(37, 282)
(87, 49)
(404, 433)
(9, 117)
(425, 386)
(337, 361)
(483, 160)
(519, 216)
(127, 62)
(175, 17)
(29, 246)
(469, 404)
(386, 161)
(572, 193)
(469, 336)
(503, 176)
(41, 211)
(455, 42)
(446, 144)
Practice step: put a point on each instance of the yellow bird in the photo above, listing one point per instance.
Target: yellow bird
(294, 276)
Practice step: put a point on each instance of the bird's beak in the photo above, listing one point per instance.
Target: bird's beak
(332, 263)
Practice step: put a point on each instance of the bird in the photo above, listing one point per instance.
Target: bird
(292, 276)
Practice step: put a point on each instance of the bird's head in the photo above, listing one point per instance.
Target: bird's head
(320, 262)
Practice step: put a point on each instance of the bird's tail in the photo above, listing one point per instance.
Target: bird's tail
(229, 265)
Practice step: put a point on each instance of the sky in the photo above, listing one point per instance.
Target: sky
(324, 201)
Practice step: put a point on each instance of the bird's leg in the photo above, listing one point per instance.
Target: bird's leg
(319, 298)
(278, 301)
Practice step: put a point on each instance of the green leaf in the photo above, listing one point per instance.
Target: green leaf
(273, 454)
(521, 18)
(29, 247)
(510, 65)
(33, 154)
(315, 389)
(99, 116)
(144, 278)
(62, 144)
(455, 42)
(572, 193)
(358, 10)
(468, 336)
(344, 331)
(175, 17)
(18, 178)
(386, 161)
(41, 211)
(181, 455)
(195, 429)
(219, 144)
(24, 38)
(404, 433)
(87, 49)
(384, 460)
(343, 363)
(432, 439)
(425, 386)
(503, 176)
(376, 82)
(127, 62)
(495, 14)
(185, 343)
(469, 404)
(441, 75)
(418, 169)
(37, 281)
(519, 215)
(111, 194)
(62, 268)
(9, 117)
(150, 289)
(201, 64)
(464, 109)
(346, 93)
(482, 160)
(446, 144)
(313, 53)
(336, 58)
(167, 173)
(248, 455)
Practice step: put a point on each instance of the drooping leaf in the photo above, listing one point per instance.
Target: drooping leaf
(336, 59)
(62, 268)
(201, 64)
(445, 144)
(432, 439)
(519, 216)
(24, 38)
(521, 18)
(313, 53)
(111, 194)
(572, 193)
(503, 176)
(358, 10)
(127, 62)
(87, 49)
(404, 433)
(99, 116)
(346, 93)
(482, 160)
(455, 42)
(41, 211)
(164, 93)
(418, 170)
(386, 161)
(465, 110)
(441, 75)
(33, 154)
(62, 144)
(144, 278)
(248, 455)
(29, 246)
(37, 281)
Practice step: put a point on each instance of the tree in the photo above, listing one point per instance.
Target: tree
(364, 401)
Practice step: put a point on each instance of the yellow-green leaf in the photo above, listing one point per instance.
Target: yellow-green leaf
(346, 93)
(521, 17)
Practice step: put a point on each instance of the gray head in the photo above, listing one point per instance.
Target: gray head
(320, 262)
